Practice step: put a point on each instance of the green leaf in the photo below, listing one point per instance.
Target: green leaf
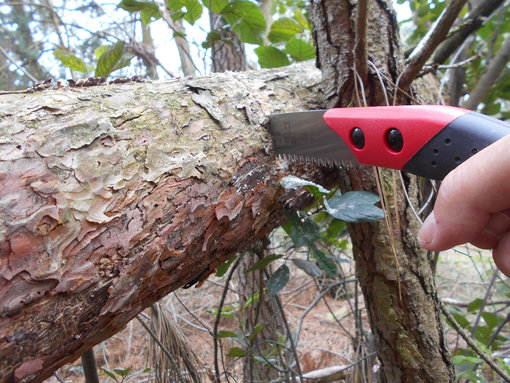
(278, 280)
(326, 263)
(299, 49)
(335, 229)
(236, 352)
(109, 373)
(308, 267)
(283, 29)
(355, 206)
(193, 10)
(475, 305)
(146, 370)
(99, 51)
(246, 19)
(491, 320)
(122, 371)
(109, 59)
(301, 19)
(461, 320)
(215, 6)
(261, 264)
(223, 268)
(211, 39)
(271, 57)
(226, 334)
(149, 11)
(301, 229)
(71, 61)
(256, 330)
(253, 298)
(460, 359)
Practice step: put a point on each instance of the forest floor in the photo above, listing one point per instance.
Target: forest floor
(462, 276)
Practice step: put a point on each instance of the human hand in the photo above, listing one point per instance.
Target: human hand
(473, 205)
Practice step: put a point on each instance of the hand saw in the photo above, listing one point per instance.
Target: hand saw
(426, 140)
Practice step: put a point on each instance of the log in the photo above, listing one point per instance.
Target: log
(113, 196)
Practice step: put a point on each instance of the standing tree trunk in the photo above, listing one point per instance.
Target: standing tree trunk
(228, 53)
(394, 272)
(115, 195)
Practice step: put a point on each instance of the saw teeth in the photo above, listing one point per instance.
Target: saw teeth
(297, 158)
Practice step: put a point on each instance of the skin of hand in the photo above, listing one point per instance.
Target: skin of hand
(473, 205)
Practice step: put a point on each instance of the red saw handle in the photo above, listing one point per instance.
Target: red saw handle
(426, 140)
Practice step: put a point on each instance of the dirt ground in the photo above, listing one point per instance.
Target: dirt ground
(462, 276)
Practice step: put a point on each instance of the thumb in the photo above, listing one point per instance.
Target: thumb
(501, 255)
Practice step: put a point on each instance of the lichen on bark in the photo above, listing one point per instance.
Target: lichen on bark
(115, 195)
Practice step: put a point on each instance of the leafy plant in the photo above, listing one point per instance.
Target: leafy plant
(121, 375)
(109, 59)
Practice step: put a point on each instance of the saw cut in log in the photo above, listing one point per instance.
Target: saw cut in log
(112, 196)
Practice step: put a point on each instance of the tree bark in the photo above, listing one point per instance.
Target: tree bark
(394, 273)
(113, 196)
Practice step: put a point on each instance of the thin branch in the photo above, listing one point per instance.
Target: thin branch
(473, 345)
(474, 21)
(155, 338)
(488, 79)
(435, 67)
(187, 63)
(428, 44)
(360, 48)
(17, 65)
(217, 374)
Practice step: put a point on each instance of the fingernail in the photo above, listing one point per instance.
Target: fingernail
(426, 234)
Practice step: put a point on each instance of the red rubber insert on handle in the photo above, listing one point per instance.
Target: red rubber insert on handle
(417, 124)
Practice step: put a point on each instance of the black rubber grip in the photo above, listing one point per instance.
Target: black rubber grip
(459, 140)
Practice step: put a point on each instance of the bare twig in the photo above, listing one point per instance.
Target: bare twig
(6, 55)
(218, 318)
(488, 79)
(473, 345)
(485, 299)
(434, 67)
(187, 63)
(428, 44)
(360, 48)
(474, 20)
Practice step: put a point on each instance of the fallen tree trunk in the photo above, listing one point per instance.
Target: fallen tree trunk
(113, 196)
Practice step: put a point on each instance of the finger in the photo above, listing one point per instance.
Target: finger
(496, 229)
(501, 255)
(468, 197)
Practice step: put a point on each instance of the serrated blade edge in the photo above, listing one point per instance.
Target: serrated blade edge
(305, 137)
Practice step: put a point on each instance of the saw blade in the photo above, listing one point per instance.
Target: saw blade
(305, 137)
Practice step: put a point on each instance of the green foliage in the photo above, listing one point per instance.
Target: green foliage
(355, 206)
(283, 29)
(71, 61)
(264, 262)
(278, 280)
(120, 375)
(299, 50)
(111, 60)
(246, 19)
(485, 328)
(149, 11)
(308, 267)
(223, 268)
(189, 10)
(236, 352)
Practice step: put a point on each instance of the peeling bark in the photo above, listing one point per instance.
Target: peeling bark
(113, 196)
(394, 272)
